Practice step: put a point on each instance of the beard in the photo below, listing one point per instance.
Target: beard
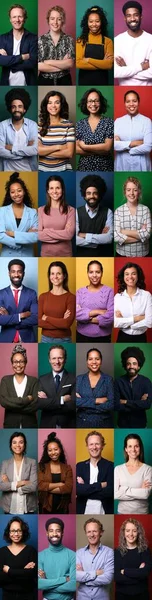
(17, 115)
(135, 27)
(16, 284)
(132, 372)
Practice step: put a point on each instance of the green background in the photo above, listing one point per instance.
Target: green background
(119, 198)
(119, 437)
(32, 112)
(109, 11)
(31, 22)
(107, 92)
(146, 370)
(43, 363)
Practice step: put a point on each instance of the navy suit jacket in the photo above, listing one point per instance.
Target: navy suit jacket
(15, 63)
(10, 323)
(94, 491)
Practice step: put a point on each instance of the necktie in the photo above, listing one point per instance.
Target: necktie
(15, 293)
(57, 381)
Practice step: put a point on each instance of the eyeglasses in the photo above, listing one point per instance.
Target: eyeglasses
(15, 531)
(18, 362)
(93, 101)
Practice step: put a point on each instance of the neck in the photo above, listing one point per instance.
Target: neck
(18, 33)
(55, 35)
(55, 204)
(135, 34)
(133, 462)
(94, 461)
(93, 548)
(57, 290)
(54, 120)
(131, 546)
(96, 117)
(132, 378)
(132, 205)
(17, 545)
(95, 287)
(18, 124)
(20, 377)
(131, 290)
(18, 457)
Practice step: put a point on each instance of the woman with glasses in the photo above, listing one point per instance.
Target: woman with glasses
(94, 134)
(19, 392)
(18, 478)
(18, 572)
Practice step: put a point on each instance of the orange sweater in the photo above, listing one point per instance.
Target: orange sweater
(94, 63)
(54, 308)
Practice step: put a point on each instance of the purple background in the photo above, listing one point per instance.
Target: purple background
(119, 23)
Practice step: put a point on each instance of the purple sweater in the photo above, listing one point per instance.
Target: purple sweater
(87, 301)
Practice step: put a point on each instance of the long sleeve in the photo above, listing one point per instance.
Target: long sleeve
(107, 564)
(28, 237)
(32, 486)
(45, 478)
(89, 399)
(15, 403)
(125, 492)
(121, 322)
(96, 238)
(107, 318)
(147, 321)
(87, 489)
(82, 313)
(127, 71)
(118, 236)
(52, 235)
(147, 141)
(93, 63)
(58, 322)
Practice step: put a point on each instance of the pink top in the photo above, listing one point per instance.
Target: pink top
(55, 231)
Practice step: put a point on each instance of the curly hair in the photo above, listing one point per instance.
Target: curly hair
(92, 262)
(83, 102)
(17, 434)
(102, 439)
(18, 349)
(93, 181)
(45, 458)
(135, 353)
(131, 92)
(14, 178)
(17, 94)
(44, 114)
(95, 10)
(58, 9)
(93, 520)
(18, 6)
(141, 539)
(62, 266)
(141, 277)
(136, 182)
(24, 528)
(132, 4)
(63, 207)
(134, 436)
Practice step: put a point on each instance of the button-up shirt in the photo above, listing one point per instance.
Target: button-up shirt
(139, 304)
(47, 50)
(129, 129)
(91, 585)
(26, 156)
(93, 239)
(123, 219)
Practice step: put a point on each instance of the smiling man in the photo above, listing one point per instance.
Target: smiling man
(18, 135)
(56, 568)
(94, 221)
(18, 51)
(95, 479)
(133, 392)
(18, 307)
(56, 396)
(133, 49)
(94, 564)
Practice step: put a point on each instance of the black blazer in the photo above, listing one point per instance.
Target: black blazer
(94, 491)
(53, 413)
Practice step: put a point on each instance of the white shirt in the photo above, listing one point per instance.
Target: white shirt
(20, 140)
(93, 239)
(18, 501)
(94, 507)
(20, 387)
(140, 304)
(134, 51)
(60, 375)
(129, 129)
(17, 78)
(133, 499)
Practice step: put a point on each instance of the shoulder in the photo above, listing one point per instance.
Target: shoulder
(71, 210)
(105, 462)
(144, 119)
(82, 464)
(82, 290)
(45, 296)
(32, 36)
(45, 377)
(41, 209)
(27, 290)
(32, 379)
(107, 40)
(121, 37)
(107, 550)
(70, 296)
(147, 36)
(81, 123)
(106, 289)
(7, 379)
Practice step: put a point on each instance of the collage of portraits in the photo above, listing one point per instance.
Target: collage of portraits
(76, 300)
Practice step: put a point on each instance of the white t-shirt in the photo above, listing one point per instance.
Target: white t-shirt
(20, 387)
(94, 507)
(20, 140)
(19, 77)
(134, 51)
(18, 501)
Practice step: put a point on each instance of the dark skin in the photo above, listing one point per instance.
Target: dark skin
(133, 22)
(16, 275)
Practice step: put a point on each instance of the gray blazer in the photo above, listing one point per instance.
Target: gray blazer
(29, 472)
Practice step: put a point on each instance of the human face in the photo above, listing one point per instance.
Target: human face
(130, 534)
(94, 23)
(133, 448)
(132, 193)
(132, 104)
(56, 276)
(16, 193)
(131, 277)
(95, 275)
(55, 191)
(16, 275)
(94, 361)
(17, 110)
(93, 103)
(54, 106)
(55, 22)
(92, 197)
(17, 445)
(132, 366)
(95, 446)
(93, 534)
(53, 451)
(57, 359)
(17, 19)
(133, 19)
(54, 534)
(15, 532)
(18, 364)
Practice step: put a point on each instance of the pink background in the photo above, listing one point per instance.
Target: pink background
(68, 439)
(69, 27)
(6, 365)
(68, 537)
(119, 23)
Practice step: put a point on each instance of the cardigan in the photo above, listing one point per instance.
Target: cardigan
(133, 499)
(54, 307)
(19, 412)
(55, 231)
(45, 495)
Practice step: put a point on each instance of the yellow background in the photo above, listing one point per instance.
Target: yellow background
(31, 181)
(82, 277)
(82, 450)
(43, 264)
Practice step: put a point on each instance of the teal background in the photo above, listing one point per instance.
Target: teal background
(43, 363)
(32, 112)
(107, 92)
(119, 198)
(119, 436)
(81, 8)
(146, 371)
(31, 22)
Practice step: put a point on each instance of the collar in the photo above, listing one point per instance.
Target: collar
(138, 291)
(88, 209)
(60, 374)
(25, 122)
(56, 548)
(14, 289)
(87, 547)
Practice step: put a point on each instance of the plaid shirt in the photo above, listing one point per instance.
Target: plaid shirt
(48, 51)
(124, 220)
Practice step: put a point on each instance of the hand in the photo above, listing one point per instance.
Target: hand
(123, 401)
(94, 320)
(8, 146)
(67, 397)
(118, 314)
(10, 233)
(144, 226)
(41, 574)
(108, 55)
(66, 56)
(67, 578)
(67, 314)
(117, 138)
(79, 567)
(32, 229)
(82, 235)
(120, 61)
(42, 395)
(122, 571)
(3, 52)
(142, 565)
(104, 484)
(101, 400)
(78, 395)
(80, 480)
(5, 568)
(144, 397)
(3, 311)
(138, 318)
(30, 143)
(4, 478)
(25, 315)
(145, 64)
(146, 484)
(82, 144)
(44, 317)
(30, 565)
(30, 397)
(99, 572)
(25, 56)
(105, 230)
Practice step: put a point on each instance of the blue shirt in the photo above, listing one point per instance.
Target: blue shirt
(94, 586)
(7, 136)
(86, 405)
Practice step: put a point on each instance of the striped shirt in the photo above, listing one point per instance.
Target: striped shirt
(124, 220)
(56, 134)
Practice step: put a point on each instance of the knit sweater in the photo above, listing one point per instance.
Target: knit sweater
(54, 308)
(55, 231)
(58, 563)
(135, 580)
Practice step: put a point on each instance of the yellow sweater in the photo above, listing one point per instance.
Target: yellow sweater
(94, 63)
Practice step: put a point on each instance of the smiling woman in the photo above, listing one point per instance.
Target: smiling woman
(133, 137)
(133, 479)
(132, 562)
(132, 305)
(18, 562)
(18, 220)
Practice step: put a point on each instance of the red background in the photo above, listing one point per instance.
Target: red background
(146, 265)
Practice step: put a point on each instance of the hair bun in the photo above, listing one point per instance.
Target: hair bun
(51, 436)
(14, 176)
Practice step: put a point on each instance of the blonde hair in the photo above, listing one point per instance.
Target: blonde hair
(136, 182)
(60, 10)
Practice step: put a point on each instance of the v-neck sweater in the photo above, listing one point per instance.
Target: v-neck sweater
(18, 579)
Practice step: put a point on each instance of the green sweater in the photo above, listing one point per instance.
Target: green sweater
(58, 563)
